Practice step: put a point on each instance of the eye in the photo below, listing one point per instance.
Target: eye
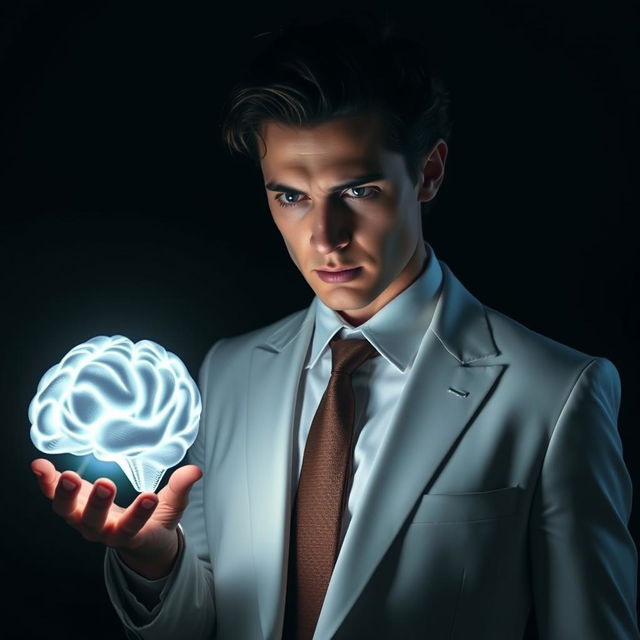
(286, 202)
(292, 198)
(361, 197)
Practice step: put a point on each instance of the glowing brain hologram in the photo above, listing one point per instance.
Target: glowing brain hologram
(130, 403)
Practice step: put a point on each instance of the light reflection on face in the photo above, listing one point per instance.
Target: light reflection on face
(339, 198)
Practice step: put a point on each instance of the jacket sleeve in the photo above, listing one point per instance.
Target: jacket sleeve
(582, 557)
(140, 596)
(187, 604)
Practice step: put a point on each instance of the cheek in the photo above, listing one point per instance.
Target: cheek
(289, 244)
(277, 220)
(377, 224)
(292, 254)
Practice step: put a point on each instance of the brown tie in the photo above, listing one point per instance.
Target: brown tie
(322, 491)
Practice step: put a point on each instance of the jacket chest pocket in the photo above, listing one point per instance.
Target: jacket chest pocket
(469, 507)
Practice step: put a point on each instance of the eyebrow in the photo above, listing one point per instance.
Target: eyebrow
(367, 177)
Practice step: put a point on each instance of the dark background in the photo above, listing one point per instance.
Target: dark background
(122, 212)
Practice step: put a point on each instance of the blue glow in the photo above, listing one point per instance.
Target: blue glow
(130, 403)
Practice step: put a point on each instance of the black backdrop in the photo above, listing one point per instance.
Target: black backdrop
(122, 212)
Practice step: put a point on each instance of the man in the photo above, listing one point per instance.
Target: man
(464, 473)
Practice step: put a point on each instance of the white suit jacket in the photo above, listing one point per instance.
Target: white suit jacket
(500, 486)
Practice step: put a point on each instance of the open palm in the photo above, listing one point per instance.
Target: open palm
(146, 528)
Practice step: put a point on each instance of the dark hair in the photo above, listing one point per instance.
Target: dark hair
(305, 74)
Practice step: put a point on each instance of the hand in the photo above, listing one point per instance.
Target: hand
(144, 534)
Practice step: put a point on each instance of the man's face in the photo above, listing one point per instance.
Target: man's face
(340, 199)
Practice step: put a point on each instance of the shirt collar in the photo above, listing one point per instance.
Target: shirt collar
(396, 330)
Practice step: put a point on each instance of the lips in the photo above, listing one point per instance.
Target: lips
(338, 269)
(343, 275)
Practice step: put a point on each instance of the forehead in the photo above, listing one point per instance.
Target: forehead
(345, 143)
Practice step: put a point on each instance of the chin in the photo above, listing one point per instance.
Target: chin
(345, 302)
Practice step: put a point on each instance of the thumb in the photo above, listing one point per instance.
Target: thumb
(176, 491)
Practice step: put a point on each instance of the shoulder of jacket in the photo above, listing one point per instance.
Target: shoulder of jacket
(517, 341)
(229, 346)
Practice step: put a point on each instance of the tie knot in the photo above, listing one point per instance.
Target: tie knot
(348, 354)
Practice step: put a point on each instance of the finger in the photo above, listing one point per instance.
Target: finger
(66, 494)
(47, 476)
(176, 491)
(99, 503)
(136, 515)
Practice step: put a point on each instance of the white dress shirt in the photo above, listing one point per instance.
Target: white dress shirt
(396, 331)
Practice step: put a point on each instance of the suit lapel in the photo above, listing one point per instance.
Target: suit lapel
(274, 375)
(429, 420)
(455, 353)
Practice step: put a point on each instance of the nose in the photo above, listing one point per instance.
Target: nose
(332, 226)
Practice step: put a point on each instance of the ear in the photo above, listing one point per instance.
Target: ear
(432, 171)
